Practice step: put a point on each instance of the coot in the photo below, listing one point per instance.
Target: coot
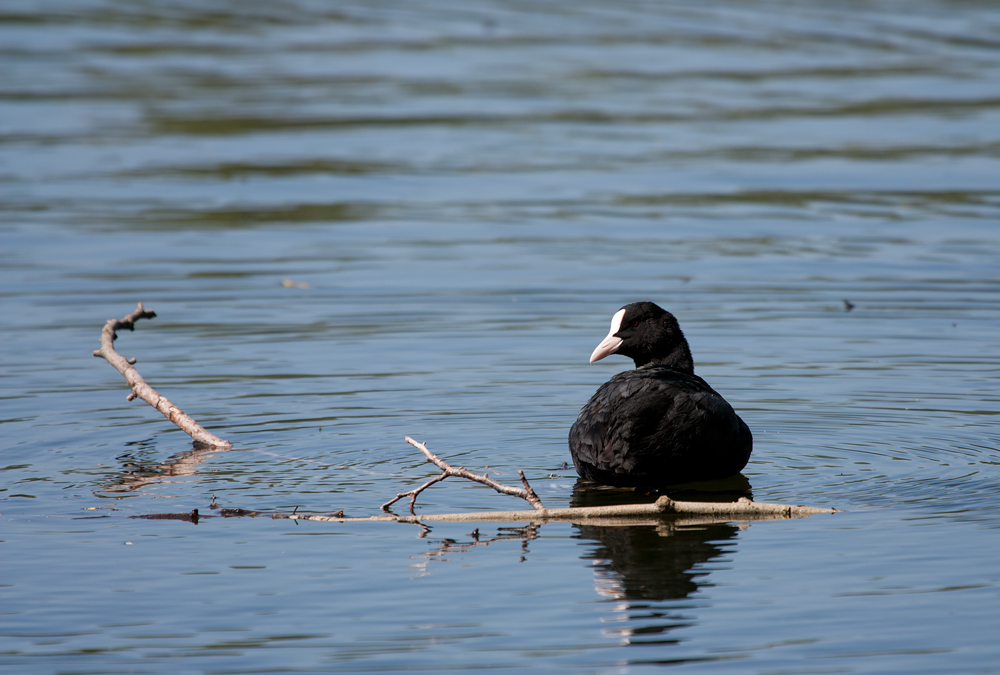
(660, 423)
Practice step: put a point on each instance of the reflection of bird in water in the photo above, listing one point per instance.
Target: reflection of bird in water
(644, 568)
(655, 562)
(647, 562)
(639, 564)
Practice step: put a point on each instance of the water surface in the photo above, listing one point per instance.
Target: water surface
(362, 221)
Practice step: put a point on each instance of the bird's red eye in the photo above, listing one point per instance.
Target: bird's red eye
(635, 324)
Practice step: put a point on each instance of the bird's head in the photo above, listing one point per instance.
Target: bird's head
(647, 334)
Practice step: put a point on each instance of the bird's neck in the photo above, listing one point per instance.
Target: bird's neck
(679, 359)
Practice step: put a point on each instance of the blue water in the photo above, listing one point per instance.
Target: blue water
(457, 198)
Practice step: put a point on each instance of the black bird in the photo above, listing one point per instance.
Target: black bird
(659, 424)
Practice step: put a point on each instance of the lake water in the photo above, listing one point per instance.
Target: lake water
(457, 197)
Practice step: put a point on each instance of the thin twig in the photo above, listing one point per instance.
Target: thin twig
(139, 387)
(525, 493)
(412, 494)
(529, 493)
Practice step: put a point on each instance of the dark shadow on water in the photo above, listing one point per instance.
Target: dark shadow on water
(729, 489)
(722, 490)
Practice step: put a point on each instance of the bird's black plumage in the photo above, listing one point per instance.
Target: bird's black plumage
(659, 424)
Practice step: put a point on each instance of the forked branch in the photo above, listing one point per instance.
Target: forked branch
(525, 493)
(139, 387)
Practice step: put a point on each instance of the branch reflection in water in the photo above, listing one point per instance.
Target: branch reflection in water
(447, 546)
(137, 474)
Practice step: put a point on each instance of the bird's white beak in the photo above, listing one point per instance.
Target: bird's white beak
(611, 343)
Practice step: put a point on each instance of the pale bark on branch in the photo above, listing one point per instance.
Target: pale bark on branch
(142, 390)
(743, 509)
(525, 493)
(664, 511)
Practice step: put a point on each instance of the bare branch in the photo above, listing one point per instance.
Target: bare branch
(139, 387)
(622, 514)
(525, 493)
(664, 513)
(412, 494)
(529, 493)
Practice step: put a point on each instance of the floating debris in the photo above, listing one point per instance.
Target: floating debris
(191, 517)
